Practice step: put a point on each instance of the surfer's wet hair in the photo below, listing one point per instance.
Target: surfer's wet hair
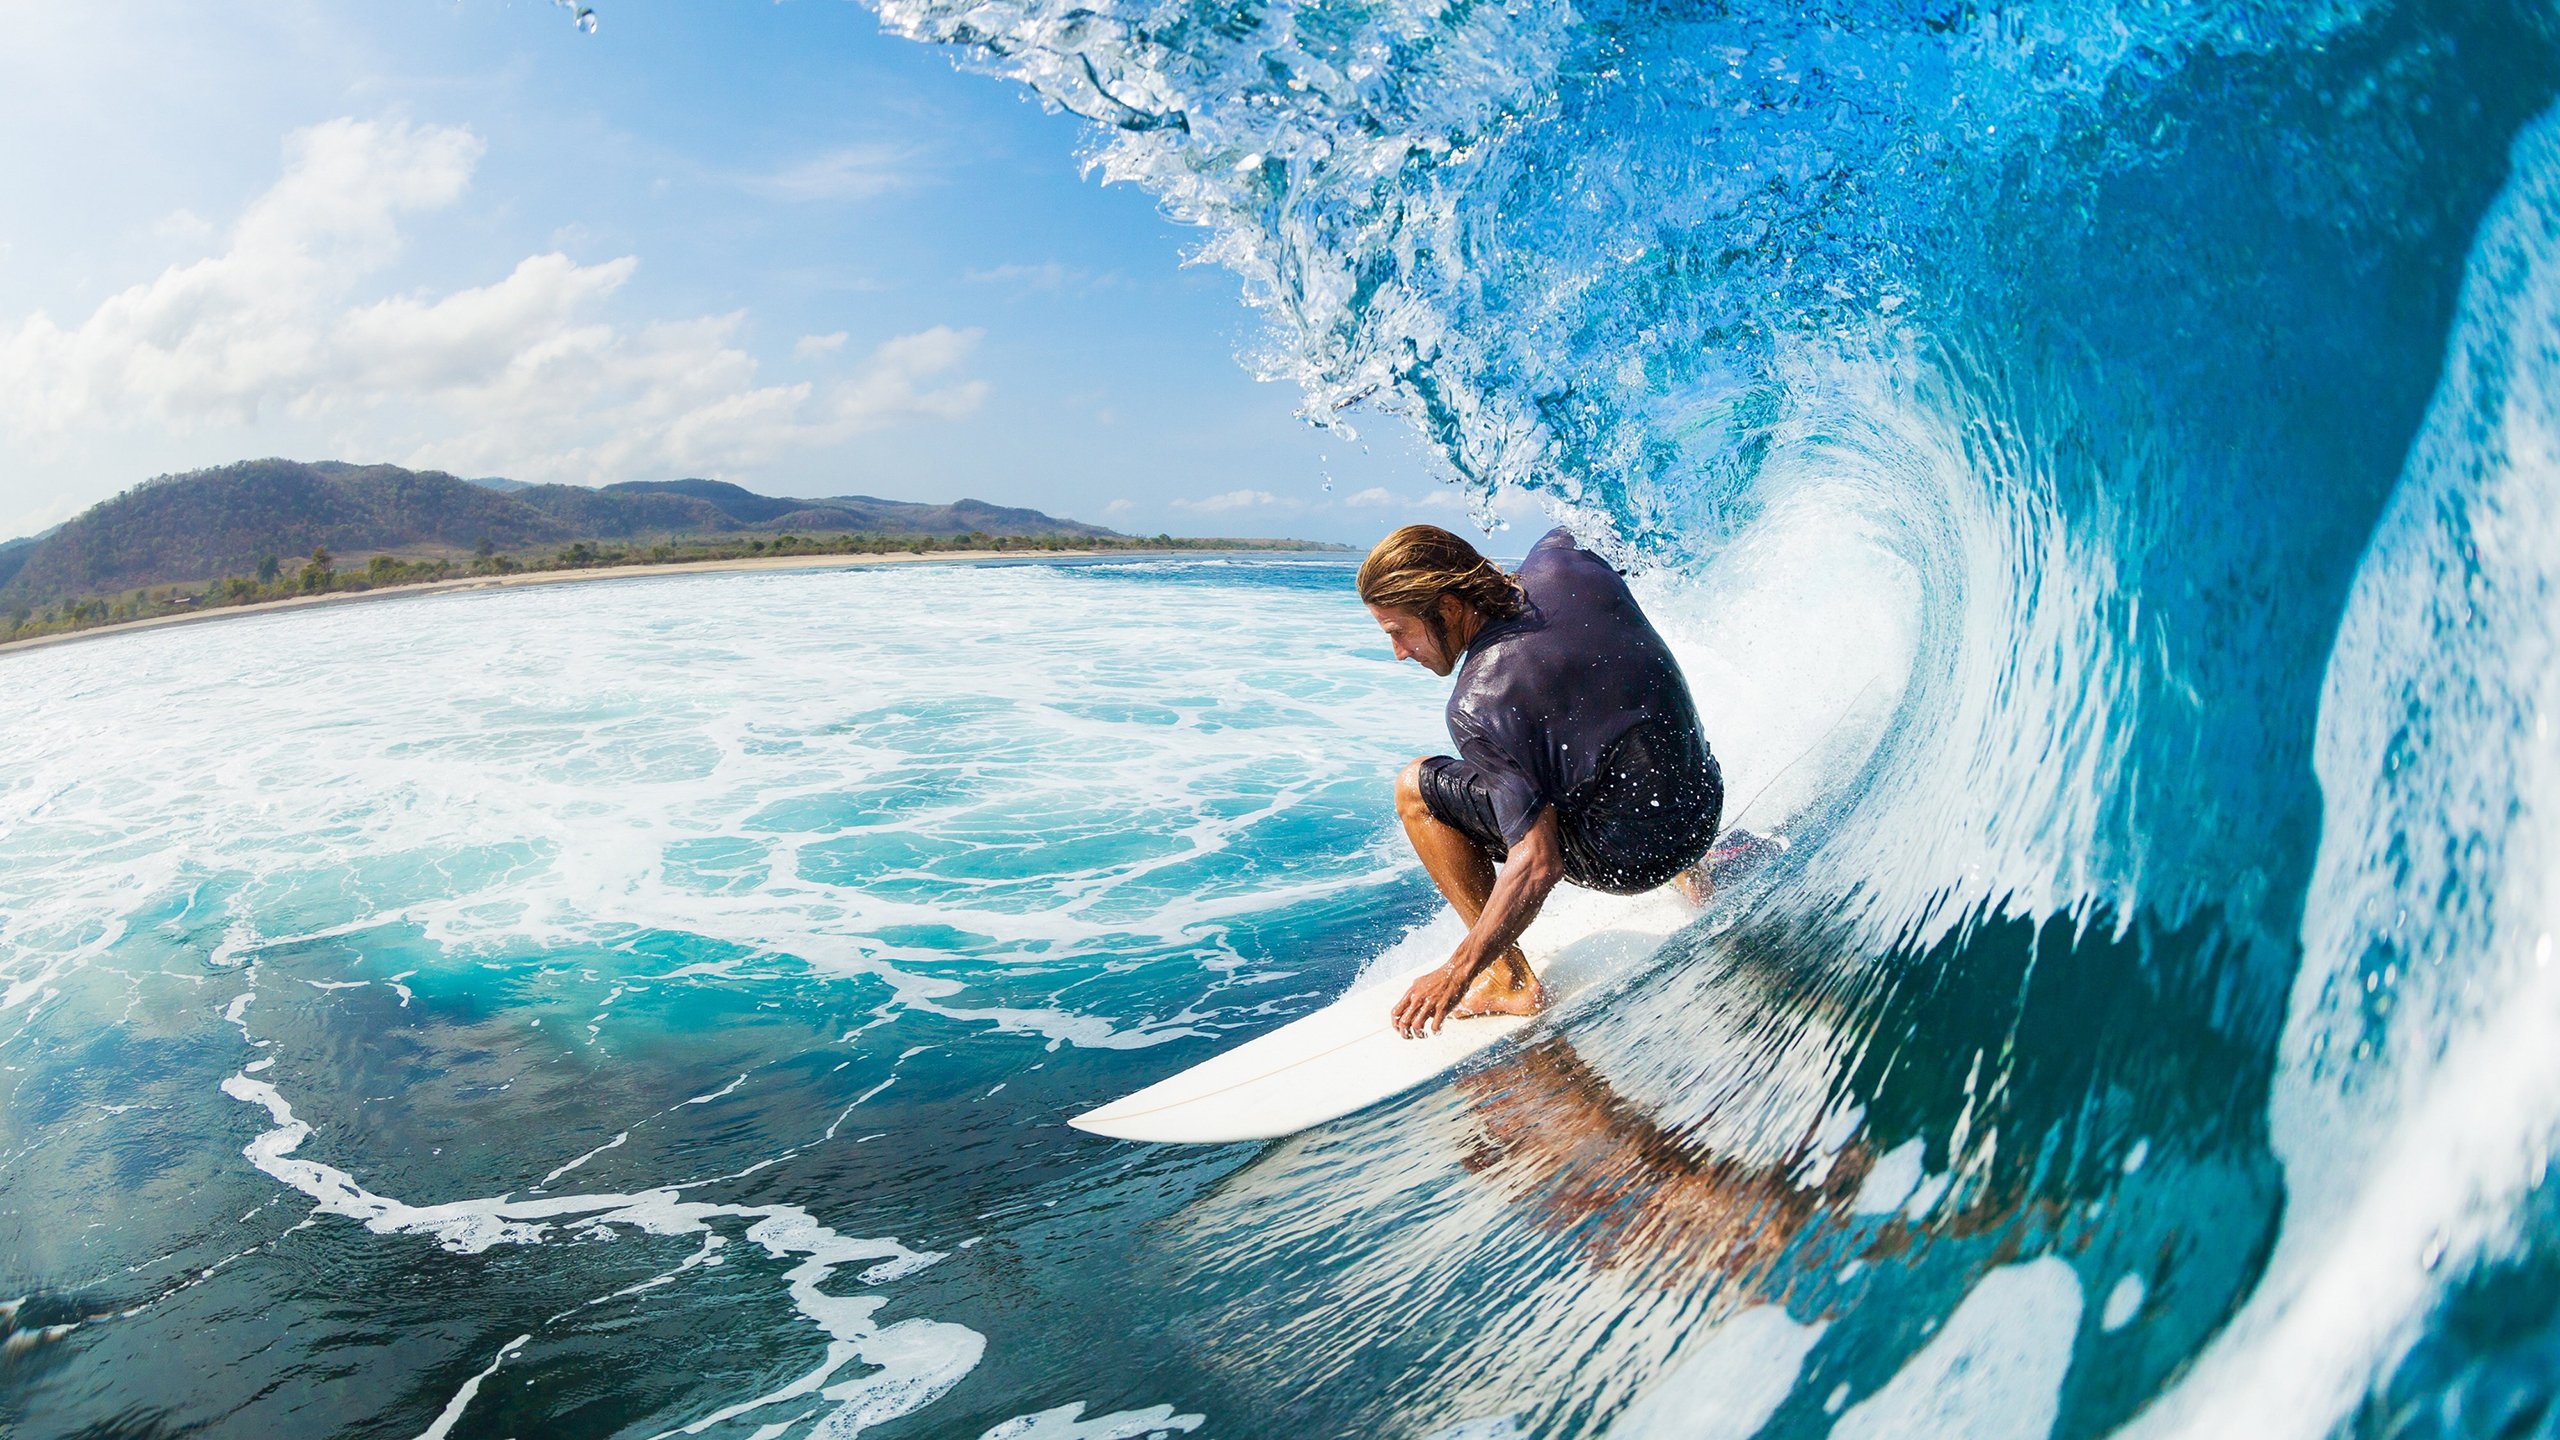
(1411, 569)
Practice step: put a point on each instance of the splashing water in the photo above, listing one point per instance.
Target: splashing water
(2095, 464)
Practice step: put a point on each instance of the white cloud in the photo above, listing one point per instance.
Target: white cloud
(678, 396)
(532, 320)
(1374, 495)
(1117, 508)
(1232, 500)
(227, 336)
(813, 346)
(855, 172)
(523, 376)
(184, 227)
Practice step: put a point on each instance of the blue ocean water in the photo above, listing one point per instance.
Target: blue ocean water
(684, 977)
(2097, 464)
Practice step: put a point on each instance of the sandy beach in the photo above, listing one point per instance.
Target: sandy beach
(616, 572)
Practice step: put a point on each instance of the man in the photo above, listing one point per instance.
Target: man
(1579, 753)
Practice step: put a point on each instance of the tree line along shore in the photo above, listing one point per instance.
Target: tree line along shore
(320, 572)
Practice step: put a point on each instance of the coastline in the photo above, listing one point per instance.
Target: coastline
(750, 563)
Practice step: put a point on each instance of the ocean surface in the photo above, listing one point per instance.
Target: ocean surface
(2099, 464)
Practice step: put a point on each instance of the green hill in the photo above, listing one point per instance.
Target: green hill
(198, 527)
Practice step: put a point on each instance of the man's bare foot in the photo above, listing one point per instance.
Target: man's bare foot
(1695, 885)
(1506, 987)
(1736, 855)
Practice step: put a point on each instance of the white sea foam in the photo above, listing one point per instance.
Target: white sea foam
(803, 781)
(725, 1090)
(2123, 1303)
(765, 762)
(1891, 1180)
(1067, 1423)
(1729, 1381)
(917, 1360)
(461, 1401)
(613, 1144)
(1994, 1372)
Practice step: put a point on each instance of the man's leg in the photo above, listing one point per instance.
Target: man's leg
(1464, 874)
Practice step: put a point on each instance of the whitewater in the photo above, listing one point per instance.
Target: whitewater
(2099, 467)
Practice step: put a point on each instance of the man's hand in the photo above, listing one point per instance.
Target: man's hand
(1430, 999)
(1521, 887)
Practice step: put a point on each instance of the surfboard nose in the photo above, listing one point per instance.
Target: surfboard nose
(1108, 1125)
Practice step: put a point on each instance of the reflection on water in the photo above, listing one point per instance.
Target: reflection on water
(2020, 1118)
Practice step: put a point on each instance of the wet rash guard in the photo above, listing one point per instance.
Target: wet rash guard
(1577, 704)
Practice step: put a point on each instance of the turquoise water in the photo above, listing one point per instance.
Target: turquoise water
(686, 975)
(652, 1006)
(2096, 465)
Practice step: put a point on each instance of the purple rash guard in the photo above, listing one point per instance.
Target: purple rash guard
(1543, 705)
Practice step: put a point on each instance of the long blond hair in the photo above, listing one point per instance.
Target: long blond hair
(1411, 569)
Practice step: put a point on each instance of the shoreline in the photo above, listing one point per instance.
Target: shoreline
(744, 563)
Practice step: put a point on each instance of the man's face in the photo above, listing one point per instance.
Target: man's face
(1416, 639)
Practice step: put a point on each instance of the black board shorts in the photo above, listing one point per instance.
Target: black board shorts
(1649, 813)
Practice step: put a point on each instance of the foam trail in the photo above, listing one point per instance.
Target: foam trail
(564, 1169)
(1066, 1423)
(461, 1400)
(709, 1096)
(918, 1360)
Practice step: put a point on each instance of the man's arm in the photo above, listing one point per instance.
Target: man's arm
(1522, 886)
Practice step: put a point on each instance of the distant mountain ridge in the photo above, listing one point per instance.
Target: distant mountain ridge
(13, 555)
(200, 526)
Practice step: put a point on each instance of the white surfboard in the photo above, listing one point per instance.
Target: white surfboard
(1347, 1056)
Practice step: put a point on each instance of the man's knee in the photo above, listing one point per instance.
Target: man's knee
(1409, 802)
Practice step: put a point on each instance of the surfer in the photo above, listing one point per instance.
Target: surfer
(1579, 752)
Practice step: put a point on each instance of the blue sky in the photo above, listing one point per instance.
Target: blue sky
(757, 241)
